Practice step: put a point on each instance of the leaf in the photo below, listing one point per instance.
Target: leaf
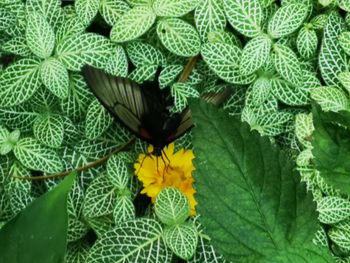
(40, 35)
(49, 130)
(35, 156)
(143, 73)
(133, 24)
(172, 206)
(307, 42)
(117, 64)
(246, 16)
(181, 92)
(37, 227)
(117, 172)
(169, 74)
(98, 120)
(182, 239)
(331, 99)
(209, 17)
(333, 209)
(124, 210)
(223, 59)
(78, 50)
(304, 128)
(205, 253)
(142, 54)
(139, 240)
(55, 77)
(18, 46)
(332, 58)
(340, 237)
(344, 41)
(112, 10)
(287, 64)
(19, 82)
(344, 78)
(171, 8)
(86, 10)
(287, 20)
(255, 54)
(263, 196)
(179, 37)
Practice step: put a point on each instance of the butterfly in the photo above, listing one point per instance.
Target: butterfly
(143, 109)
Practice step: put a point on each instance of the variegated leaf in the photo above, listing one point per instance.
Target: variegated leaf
(49, 130)
(39, 35)
(205, 253)
(333, 209)
(246, 16)
(179, 37)
(143, 73)
(117, 172)
(54, 76)
(19, 82)
(124, 210)
(112, 10)
(331, 98)
(181, 92)
(209, 17)
(133, 24)
(86, 10)
(170, 8)
(18, 46)
(307, 42)
(142, 54)
(287, 20)
(255, 54)
(304, 128)
(169, 74)
(344, 78)
(117, 64)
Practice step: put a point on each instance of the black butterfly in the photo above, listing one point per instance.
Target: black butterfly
(144, 109)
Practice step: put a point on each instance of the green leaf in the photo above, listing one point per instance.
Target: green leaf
(86, 10)
(179, 37)
(344, 41)
(340, 237)
(245, 16)
(171, 8)
(40, 35)
(182, 239)
(264, 210)
(287, 20)
(49, 130)
(223, 59)
(18, 46)
(117, 172)
(124, 210)
(139, 240)
(37, 227)
(54, 76)
(169, 74)
(35, 156)
(143, 73)
(255, 54)
(332, 58)
(142, 54)
(112, 10)
(117, 64)
(19, 82)
(209, 17)
(344, 4)
(133, 24)
(307, 42)
(98, 120)
(205, 253)
(331, 98)
(333, 209)
(181, 92)
(71, 27)
(287, 64)
(304, 128)
(89, 48)
(172, 207)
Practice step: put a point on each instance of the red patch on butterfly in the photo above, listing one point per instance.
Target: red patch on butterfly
(144, 133)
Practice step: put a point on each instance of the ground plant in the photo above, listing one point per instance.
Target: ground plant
(263, 177)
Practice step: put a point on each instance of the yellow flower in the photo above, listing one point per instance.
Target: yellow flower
(170, 169)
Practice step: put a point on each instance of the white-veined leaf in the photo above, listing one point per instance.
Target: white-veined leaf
(35, 156)
(169, 74)
(72, 26)
(307, 42)
(77, 252)
(124, 209)
(182, 239)
(331, 98)
(209, 16)
(287, 64)
(344, 41)
(117, 172)
(287, 20)
(181, 92)
(170, 8)
(19, 82)
(54, 76)
(86, 10)
(39, 35)
(205, 253)
(133, 24)
(344, 4)
(333, 209)
(143, 73)
(223, 59)
(255, 53)
(332, 58)
(260, 91)
(304, 128)
(139, 240)
(142, 54)
(179, 37)
(18, 46)
(98, 120)
(111, 10)
(340, 237)
(274, 123)
(117, 64)
(89, 48)
(344, 78)
(172, 206)
(225, 37)
(49, 130)
(321, 238)
(246, 16)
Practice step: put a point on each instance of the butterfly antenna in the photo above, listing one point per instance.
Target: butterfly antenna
(138, 170)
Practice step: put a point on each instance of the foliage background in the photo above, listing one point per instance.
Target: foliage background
(275, 56)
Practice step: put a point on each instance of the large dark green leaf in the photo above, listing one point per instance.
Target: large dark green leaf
(38, 233)
(250, 199)
(331, 147)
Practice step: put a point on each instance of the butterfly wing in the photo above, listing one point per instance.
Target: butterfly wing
(123, 98)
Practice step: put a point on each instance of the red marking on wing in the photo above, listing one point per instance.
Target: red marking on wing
(144, 133)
